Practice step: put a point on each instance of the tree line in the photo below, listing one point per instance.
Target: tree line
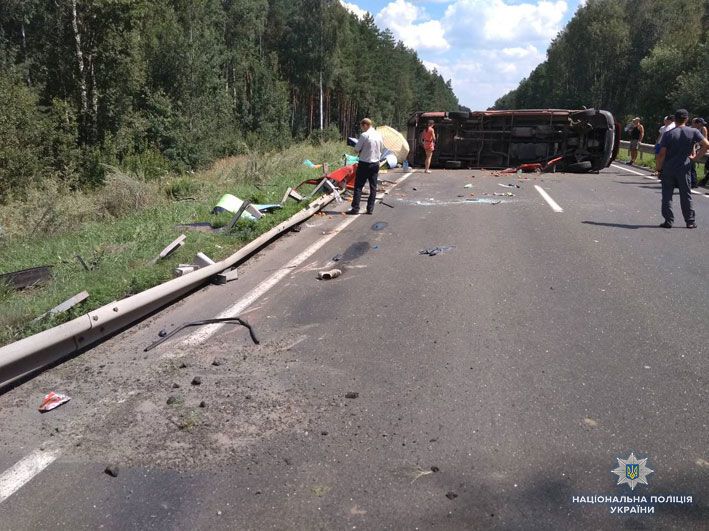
(641, 58)
(163, 85)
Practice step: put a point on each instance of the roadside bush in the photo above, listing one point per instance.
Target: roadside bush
(126, 194)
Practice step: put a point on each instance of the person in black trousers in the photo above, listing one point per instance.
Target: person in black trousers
(673, 164)
(369, 146)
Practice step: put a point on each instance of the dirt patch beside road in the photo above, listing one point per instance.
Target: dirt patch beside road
(192, 408)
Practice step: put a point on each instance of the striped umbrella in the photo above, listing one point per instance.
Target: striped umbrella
(394, 141)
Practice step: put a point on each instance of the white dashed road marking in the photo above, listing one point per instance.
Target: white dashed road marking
(553, 204)
(24, 470)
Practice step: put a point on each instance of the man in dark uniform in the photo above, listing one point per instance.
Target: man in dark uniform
(673, 164)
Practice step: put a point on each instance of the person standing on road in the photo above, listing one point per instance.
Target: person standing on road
(428, 139)
(668, 125)
(369, 146)
(673, 165)
(636, 137)
(699, 124)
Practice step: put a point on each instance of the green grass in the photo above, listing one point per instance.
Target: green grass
(120, 230)
(647, 160)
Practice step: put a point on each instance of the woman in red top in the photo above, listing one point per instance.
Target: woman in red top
(428, 139)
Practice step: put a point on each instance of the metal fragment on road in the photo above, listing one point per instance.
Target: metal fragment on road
(223, 320)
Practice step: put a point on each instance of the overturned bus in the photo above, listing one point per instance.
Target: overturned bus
(567, 140)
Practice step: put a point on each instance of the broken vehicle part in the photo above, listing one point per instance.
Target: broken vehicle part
(225, 320)
(64, 306)
(176, 244)
(545, 138)
(27, 277)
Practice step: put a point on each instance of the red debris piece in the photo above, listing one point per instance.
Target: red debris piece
(53, 400)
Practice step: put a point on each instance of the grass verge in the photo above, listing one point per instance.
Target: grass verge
(120, 229)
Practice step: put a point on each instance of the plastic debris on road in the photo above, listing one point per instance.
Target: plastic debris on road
(53, 400)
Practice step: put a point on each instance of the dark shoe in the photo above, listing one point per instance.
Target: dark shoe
(370, 212)
(691, 225)
(352, 212)
(666, 225)
(629, 163)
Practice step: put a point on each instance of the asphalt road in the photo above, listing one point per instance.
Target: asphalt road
(489, 384)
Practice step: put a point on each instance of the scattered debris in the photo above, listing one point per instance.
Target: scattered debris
(386, 204)
(419, 473)
(64, 306)
(83, 264)
(451, 495)
(504, 194)
(202, 260)
(226, 276)
(112, 470)
(329, 275)
(183, 269)
(508, 185)
(197, 380)
(176, 244)
(320, 490)
(468, 186)
(203, 404)
(433, 251)
(231, 203)
(311, 165)
(435, 469)
(52, 400)
(27, 278)
(292, 194)
(379, 225)
(162, 333)
(590, 422)
(223, 320)
(172, 400)
(337, 258)
(351, 394)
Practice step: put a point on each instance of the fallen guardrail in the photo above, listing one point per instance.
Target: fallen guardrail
(31, 354)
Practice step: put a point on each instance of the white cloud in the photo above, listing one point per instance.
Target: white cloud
(411, 25)
(471, 23)
(354, 9)
(485, 47)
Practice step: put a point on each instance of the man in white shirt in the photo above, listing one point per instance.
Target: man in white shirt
(669, 125)
(369, 146)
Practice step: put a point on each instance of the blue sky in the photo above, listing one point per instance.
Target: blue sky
(485, 47)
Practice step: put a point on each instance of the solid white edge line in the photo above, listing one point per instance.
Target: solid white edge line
(636, 172)
(24, 470)
(652, 177)
(206, 332)
(553, 204)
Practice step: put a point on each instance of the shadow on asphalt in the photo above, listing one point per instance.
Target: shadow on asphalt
(619, 225)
